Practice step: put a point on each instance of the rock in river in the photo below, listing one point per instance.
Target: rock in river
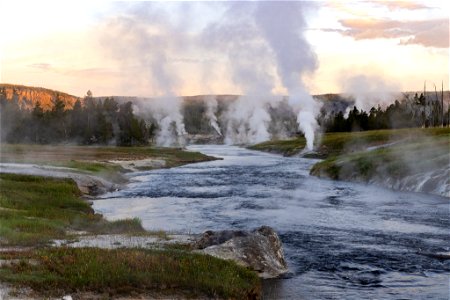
(259, 250)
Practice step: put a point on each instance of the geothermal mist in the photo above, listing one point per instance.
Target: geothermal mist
(370, 91)
(211, 113)
(247, 121)
(283, 26)
(260, 45)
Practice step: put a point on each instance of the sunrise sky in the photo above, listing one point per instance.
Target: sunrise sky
(117, 48)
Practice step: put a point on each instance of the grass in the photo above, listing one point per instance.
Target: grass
(407, 152)
(35, 210)
(337, 143)
(422, 154)
(66, 270)
(95, 160)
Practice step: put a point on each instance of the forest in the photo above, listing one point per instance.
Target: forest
(105, 121)
(410, 112)
(89, 122)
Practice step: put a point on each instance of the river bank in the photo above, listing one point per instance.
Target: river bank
(341, 240)
(95, 169)
(406, 159)
(42, 204)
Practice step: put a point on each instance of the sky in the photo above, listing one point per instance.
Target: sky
(146, 48)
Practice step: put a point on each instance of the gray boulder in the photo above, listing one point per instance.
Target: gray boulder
(259, 250)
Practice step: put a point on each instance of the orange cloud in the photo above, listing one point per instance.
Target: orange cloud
(428, 33)
(396, 5)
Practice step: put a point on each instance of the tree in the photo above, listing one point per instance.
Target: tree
(78, 124)
(58, 122)
(37, 123)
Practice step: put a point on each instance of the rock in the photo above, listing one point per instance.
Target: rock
(259, 250)
(211, 238)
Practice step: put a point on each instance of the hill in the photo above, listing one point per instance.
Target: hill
(27, 96)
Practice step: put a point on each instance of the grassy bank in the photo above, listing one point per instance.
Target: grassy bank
(35, 210)
(338, 143)
(373, 155)
(397, 161)
(96, 160)
(59, 271)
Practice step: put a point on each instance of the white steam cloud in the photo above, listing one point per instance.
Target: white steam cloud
(211, 113)
(283, 25)
(264, 40)
(142, 38)
(247, 121)
(262, 45)
(370, 91)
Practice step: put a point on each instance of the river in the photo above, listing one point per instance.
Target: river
(341, 240)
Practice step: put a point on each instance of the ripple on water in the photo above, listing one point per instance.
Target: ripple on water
(342, 240)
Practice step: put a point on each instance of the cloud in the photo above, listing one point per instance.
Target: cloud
(428, 33)
(397, 5)
(41, 66)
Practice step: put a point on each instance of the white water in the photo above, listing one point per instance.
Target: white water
(342, 240)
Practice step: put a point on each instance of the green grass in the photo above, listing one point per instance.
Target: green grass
(346, 156)
(121, 271)
(336, 143)
(285, 147)
(35, 210)
(94, 159)
(409, 157)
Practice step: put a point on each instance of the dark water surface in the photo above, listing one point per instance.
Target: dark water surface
(342, 240)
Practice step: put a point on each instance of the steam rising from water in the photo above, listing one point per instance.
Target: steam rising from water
(247, 121)
(283, 26)
(370, 91)
(262, 42)
(166, 112)
(211, 113)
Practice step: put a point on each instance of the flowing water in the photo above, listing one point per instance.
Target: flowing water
(341, 240)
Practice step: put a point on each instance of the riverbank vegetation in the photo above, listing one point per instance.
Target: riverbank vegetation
(110, 273)
(338, 143)
(409, 112)
(36, 210)
(397, 160)
(376, 155)
(97, 160)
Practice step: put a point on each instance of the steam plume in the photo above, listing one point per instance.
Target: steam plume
(211, 111)
(263, 46)
(370, 91)
(282, 25)
(247, 121)
(147, 38)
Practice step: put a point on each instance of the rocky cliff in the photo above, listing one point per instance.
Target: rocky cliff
(28, 96)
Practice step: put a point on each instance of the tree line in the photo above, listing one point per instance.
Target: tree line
(417, 111)
(89, 122)
(104, 122)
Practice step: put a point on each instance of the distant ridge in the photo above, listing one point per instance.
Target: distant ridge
(27, 96)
